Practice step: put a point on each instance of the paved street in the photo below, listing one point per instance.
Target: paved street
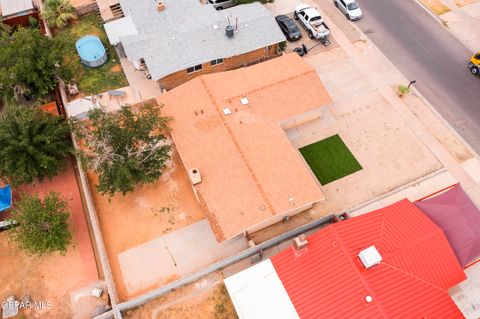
(424, 50)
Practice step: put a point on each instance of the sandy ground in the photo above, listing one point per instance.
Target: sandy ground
(205, 299)
(148, 212)
(53, 277)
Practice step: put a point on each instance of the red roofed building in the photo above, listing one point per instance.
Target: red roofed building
(327, 279)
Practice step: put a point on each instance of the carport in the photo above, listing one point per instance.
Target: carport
(454, 212)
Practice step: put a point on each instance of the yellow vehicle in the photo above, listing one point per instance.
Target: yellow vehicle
(474, 64)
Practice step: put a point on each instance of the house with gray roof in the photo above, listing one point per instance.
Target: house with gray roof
(176, 40)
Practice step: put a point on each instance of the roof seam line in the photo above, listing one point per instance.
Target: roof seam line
(364, 282)
(240, 152)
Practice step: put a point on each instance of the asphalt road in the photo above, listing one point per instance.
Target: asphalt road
(423, 50)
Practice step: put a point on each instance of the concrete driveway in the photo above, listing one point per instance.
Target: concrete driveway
(174, 255)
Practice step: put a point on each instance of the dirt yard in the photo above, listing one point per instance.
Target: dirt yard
(51, 278)
(148, 212)
(205, 299)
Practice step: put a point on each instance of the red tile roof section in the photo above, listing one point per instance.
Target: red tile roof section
(418, 267)
(251, 172)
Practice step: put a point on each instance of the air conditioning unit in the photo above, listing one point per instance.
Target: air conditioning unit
(300, 242)
(370, 257)
(194, 175)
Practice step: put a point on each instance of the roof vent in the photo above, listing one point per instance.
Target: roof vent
(215, 26)
(244, 101)
(227, 111)
(300, 242)
(368, 299)
(370, 257)
(229, 31)
(194, 175)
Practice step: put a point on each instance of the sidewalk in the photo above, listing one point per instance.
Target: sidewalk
(463, 20)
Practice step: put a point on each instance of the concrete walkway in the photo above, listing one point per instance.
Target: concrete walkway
(174, 255)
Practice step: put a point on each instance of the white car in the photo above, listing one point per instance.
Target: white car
(349, 8)
(222, 4)
(311, 20)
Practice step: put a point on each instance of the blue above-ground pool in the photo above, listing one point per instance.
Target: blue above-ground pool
(91, 50)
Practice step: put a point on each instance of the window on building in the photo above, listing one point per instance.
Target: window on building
(216, 62)
(195, 68)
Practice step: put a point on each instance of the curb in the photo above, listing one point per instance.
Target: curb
(442, 23)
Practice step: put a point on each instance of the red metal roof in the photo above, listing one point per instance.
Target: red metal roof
(418, 267)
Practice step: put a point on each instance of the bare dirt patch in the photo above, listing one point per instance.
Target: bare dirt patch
(208, 298)
(147, 213)
(435, 126)
(436, 6)
(53, 277)
(116, 68)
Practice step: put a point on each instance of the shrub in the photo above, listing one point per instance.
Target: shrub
(124, 148)
(57, 13)
(43, 225)
(34, 145)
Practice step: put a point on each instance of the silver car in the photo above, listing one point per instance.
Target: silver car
(222, 4)
(349, 8)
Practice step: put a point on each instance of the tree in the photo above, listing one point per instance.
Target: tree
(43, 225)
(34, 144)
(124, 148)
(28, 63)
(57, 13)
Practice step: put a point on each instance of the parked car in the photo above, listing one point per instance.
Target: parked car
(288, 27)
(312, 21)
(222, 4)
(349, 8)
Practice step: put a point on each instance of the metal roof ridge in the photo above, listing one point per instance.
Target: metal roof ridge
(367, 287)
(413, 276)
(262, 192)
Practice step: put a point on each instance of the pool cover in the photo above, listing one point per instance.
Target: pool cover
(457, 215)
(5, 198)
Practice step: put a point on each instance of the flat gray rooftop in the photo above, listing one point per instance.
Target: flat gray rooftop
(187, 33)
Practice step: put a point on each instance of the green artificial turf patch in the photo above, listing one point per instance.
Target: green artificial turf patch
(330, 159)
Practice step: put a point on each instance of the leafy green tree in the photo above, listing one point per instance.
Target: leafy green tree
(34, 144)
(42, 225)
(28, 63)
(125, 148)
(57, 13)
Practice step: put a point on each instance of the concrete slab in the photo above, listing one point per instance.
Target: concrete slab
(472, 168)
(194, 247)
(174, 255)
(467, 294)
(147, 264)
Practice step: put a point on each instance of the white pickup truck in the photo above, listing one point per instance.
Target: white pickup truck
(312, 21)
